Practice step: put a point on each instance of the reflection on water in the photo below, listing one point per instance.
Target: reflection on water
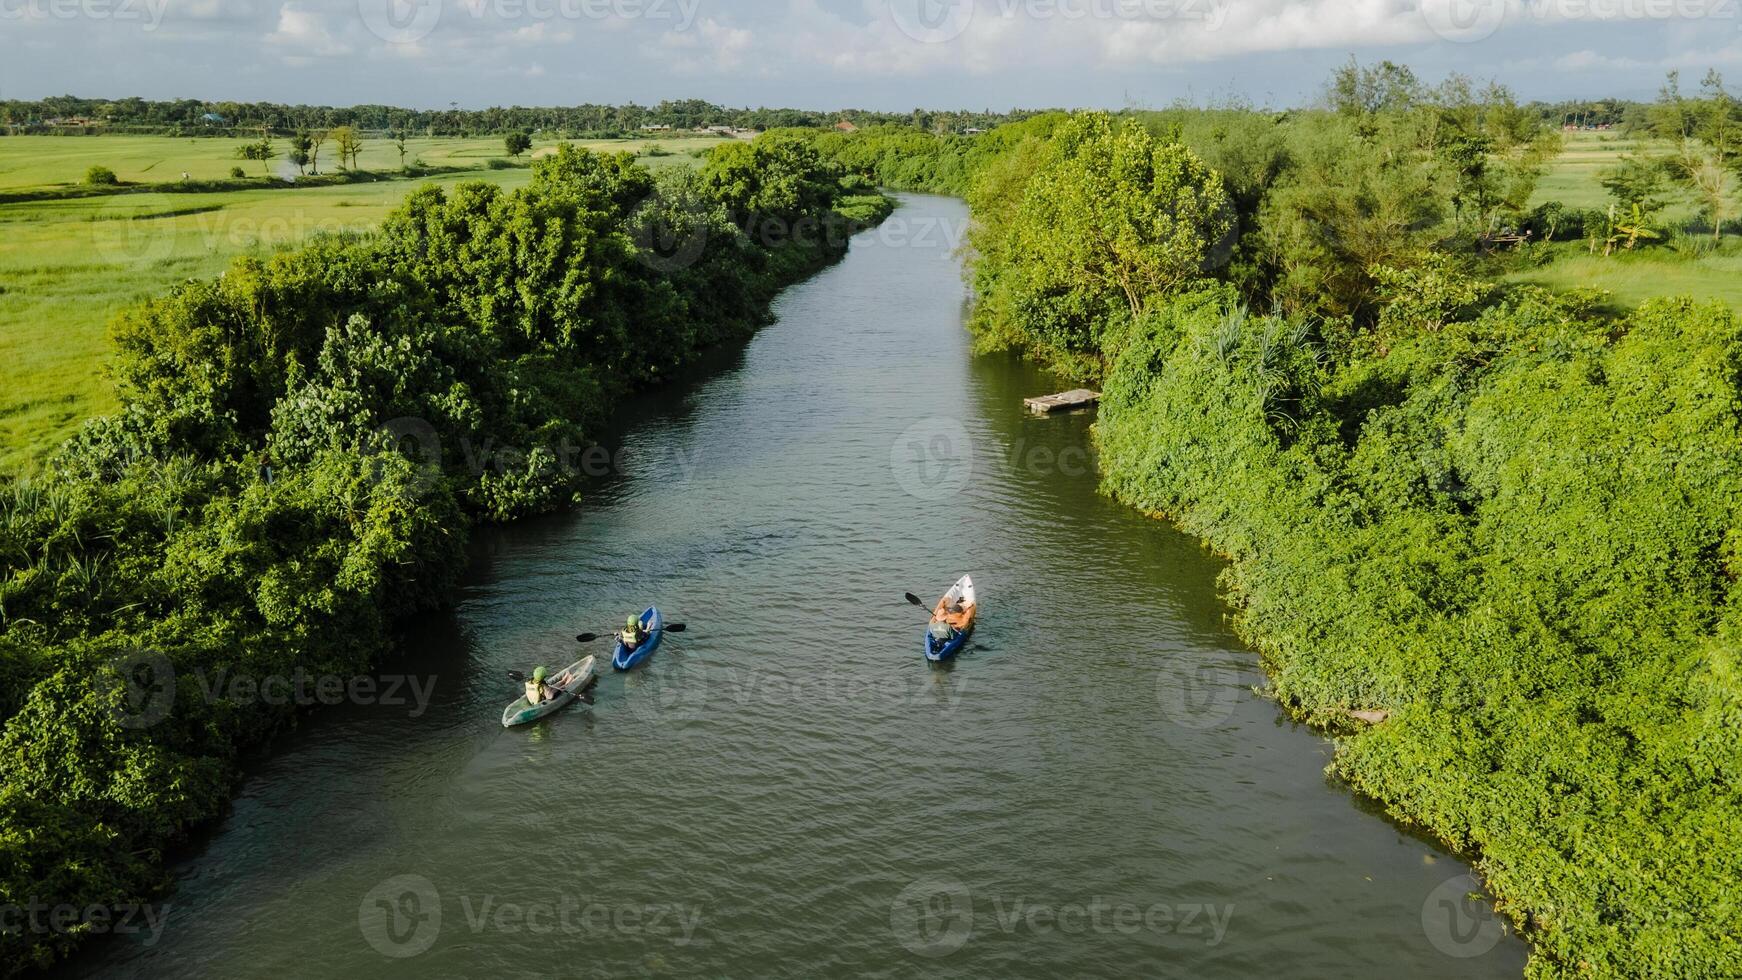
(789, 788)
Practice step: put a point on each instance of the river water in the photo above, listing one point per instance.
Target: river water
(789, 789)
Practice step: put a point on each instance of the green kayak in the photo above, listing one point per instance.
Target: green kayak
(566, 685)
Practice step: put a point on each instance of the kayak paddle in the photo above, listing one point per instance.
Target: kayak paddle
(670, 628)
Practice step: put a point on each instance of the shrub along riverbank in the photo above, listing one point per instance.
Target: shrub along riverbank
(1506, 520)
(286, 477)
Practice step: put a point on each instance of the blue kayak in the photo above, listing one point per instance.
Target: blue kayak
(961, 597)
(654, 623)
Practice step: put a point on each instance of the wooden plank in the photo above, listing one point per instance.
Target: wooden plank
(1078, 398)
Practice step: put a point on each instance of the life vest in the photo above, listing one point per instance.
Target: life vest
(535, 692)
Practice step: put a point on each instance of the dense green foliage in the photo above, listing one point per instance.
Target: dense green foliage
(1515, 532)
(1507, 521)
(302, 445)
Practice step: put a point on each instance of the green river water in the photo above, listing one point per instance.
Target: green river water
(789, 789)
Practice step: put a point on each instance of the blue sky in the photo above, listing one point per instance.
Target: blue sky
(883, 54)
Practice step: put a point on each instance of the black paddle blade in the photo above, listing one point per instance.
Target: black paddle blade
(915, 600)
(586, 637)
(676, 628)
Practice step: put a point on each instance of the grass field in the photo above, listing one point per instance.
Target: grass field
(60, 161)
(66, 266)
(1574, 179)
(1688, 266)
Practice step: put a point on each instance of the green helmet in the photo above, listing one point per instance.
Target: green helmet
(538, 674)
(634, 621)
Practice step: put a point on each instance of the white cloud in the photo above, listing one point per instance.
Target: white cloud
(826, 53)
(302, 33)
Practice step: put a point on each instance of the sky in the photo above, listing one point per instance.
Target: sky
(829, 54)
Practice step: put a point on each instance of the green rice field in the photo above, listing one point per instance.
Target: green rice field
(67, 265)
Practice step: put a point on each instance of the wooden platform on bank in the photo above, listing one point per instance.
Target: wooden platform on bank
(1062, 402)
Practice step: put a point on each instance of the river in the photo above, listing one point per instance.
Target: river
(789, 789)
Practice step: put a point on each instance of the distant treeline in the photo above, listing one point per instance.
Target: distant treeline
(224, 118)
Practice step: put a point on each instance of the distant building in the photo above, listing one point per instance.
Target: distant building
(214, 119)
(972, 131)
(845, 126)
(656, 128)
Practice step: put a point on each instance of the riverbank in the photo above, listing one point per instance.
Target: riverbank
(1092, 788)
(302, 449)
(1500, 518)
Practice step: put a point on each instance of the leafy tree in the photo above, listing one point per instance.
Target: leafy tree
(348, 143)
(517, 143)
(1638, 182)
(101, 176)
(1709, 148)
(316, 139)
(260, 150)
(1118, 212)
(772, 185)
(1385, 87)
(300, 145)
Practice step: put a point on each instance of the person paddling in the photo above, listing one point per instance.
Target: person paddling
(537, 692)
(633, 634)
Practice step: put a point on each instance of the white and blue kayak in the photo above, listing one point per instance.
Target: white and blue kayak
(625, 659)
(952, 621)
(566, 685)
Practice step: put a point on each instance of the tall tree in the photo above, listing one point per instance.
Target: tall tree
(348, 143)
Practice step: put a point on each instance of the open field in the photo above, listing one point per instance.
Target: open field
(59, 161)
(66, 266)
(1635, 278)
(1575, 179)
